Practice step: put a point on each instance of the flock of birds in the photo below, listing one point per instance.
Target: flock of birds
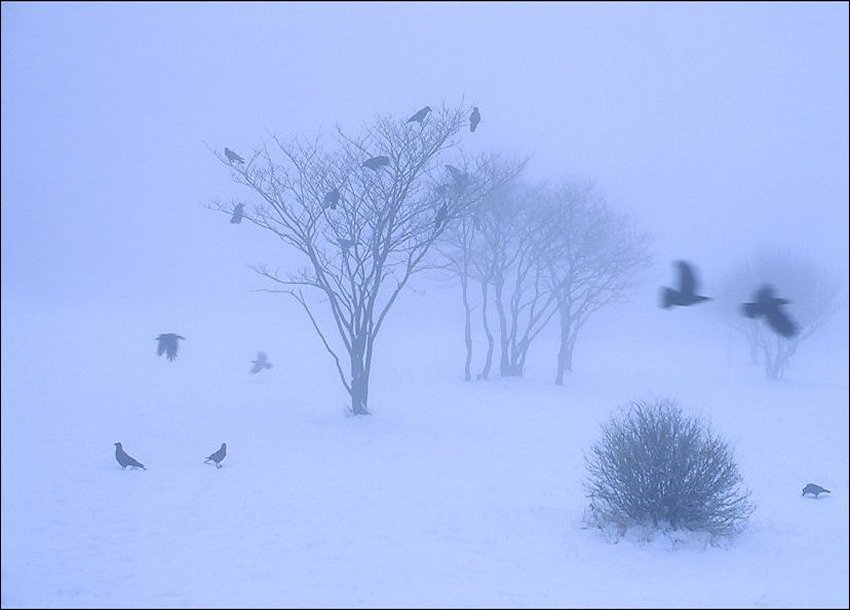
(765, 304)
(331, 199)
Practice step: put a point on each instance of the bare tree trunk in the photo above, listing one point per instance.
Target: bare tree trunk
(565, 353)
(467, 330)
(505, 369)
(359, 377)
(488, 361)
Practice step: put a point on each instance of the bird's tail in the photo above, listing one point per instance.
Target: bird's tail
(667, 295)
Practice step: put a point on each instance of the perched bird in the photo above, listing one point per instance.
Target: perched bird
(460, 178)
(376, 163)
(218, 456)
(474, 119)
(232, 156)
(168, 345)
(260, 363)
(768, 306)
(686, 292)
(345, 244)
(125, 460)
(440, 218)
(237, 213)
(420, 116)
(331, 199)
(811, 488)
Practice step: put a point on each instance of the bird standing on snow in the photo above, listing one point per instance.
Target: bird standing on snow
(474, 119)
(125, 460)
(811, 488)
(260, 363)
(420, 115)
(768, 306)
(237, 213)
(232, 156)
(168, 345)
(218, 456)
(686, 293)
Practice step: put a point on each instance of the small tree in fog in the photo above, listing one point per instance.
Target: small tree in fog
(594, 257)
(363, 229)
(655, 466)
(814, 296)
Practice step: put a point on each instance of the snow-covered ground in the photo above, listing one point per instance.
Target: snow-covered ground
(452, 494)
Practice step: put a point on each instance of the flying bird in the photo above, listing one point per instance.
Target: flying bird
(376, 163)
(811, 488)
(420, 116)
(474, 119)
(232, 156)
(331, 199)
(125, 460)
(218, 456)
(440, 219)
(260, 363)
(168, 345)
(769, 306)
(686, 292)
(237, 213)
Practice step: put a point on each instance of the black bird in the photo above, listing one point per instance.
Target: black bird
(811, 488)
(686, 293)
(420, 116)
(232, 156)
(345, 244)
(440, 219)
(331, 199)
(768, 306)
(168, 345)
(457, 175)
(218, 456)
(376, 163)
(260, 363)
(474, 119)
(125, 460)
(237, 213)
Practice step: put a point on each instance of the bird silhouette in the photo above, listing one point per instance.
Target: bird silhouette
(125, 460)
(440, 218)
(811, 488)
(232, 156)
(331, 199)
(237, 213)
(218, 456)
(168, 345)
(345, 244)
(685, 294)
(376, 163)
(260, 363)
(769, 306)
(474, 119)
(420, 115)
(460, 178)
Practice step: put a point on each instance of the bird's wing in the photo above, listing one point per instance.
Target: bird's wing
(780, 322)
(261, 356)
(160, 346)
(258, 366)
(687, 281)
(764, 295)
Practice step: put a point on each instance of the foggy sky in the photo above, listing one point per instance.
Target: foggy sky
(717, 127)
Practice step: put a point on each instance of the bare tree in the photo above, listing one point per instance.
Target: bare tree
(461, 247)
(593, 260)
(364, 215)
(814, 296)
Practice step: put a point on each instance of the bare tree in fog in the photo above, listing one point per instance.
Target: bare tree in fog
(364, 227)
(460, 245)
(594, 257)
(813, 294)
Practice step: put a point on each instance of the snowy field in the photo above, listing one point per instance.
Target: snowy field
(452, 494)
